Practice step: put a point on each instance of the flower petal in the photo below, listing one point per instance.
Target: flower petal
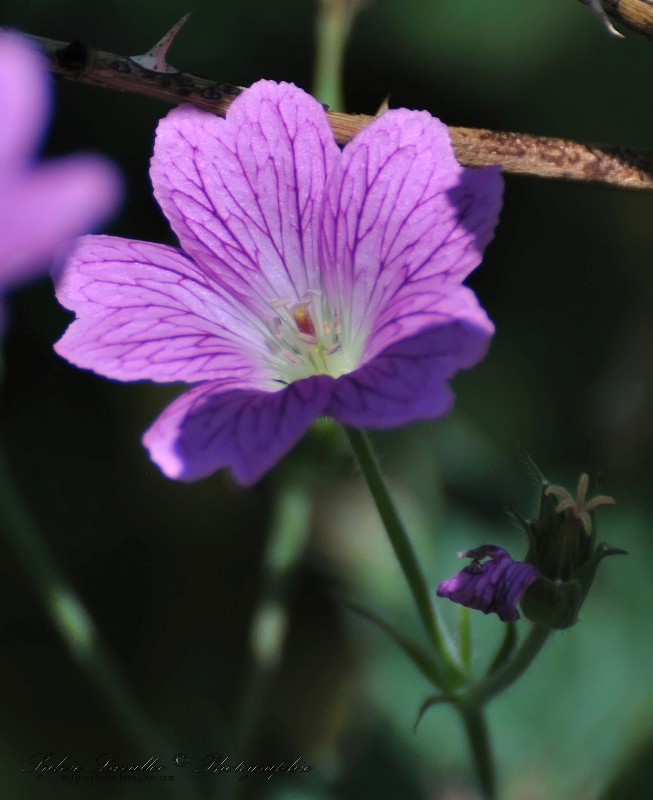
(496, 585)
(409, 380)
(247, 431)
(24, 102)
(244, 194)
(422, 305)
(49, 205)
(147, 311)
(401, 209)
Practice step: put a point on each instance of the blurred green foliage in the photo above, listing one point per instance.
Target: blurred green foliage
(172, 573)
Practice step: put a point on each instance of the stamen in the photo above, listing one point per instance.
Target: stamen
(292, 357)
(275, 326)
(306, 338)
(279, 302)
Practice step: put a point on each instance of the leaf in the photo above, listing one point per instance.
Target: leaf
(505, 650)
(422, 659)
(434, 700)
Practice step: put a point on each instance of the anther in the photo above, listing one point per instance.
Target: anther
(306, 337)
(279, 302)
(275, 326)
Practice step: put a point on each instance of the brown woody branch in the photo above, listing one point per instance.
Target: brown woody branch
(517, 153)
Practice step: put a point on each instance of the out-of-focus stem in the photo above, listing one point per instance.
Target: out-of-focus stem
(333, 26)
(285, 546)
(74, 624)
(479, 745)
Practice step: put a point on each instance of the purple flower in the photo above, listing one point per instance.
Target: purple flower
(310, 281)
(495, 585)
(41, 205)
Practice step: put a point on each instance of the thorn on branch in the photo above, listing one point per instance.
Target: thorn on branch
(155, 58)
(634, 14)
(597, 8)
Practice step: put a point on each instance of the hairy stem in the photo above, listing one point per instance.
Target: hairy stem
(479, 745)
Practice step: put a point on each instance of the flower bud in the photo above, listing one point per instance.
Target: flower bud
(552, 582)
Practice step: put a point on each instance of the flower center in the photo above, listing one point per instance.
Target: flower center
(307, 338)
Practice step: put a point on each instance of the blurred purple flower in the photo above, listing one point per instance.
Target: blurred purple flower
(41, 205)
(310, 281)
(496, 585)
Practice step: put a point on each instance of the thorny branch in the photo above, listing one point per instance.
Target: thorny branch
(517, 153)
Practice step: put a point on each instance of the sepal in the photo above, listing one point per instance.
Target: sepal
(554, 604)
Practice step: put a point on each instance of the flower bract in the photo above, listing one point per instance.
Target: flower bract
(309, 281)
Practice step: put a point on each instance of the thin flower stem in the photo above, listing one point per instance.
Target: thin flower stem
(333, 26)
(470, 704)
(75, 626)
(492, 685)
(479, 744)
(404, 552)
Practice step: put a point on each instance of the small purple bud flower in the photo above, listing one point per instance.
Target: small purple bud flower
(497, 584)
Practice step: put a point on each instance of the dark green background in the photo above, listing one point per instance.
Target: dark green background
(171, 572)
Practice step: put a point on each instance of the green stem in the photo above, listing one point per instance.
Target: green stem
(479, 744)
(470, 704)
(333, 26)
(496, 682)
(404, 552)
(74, 624)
